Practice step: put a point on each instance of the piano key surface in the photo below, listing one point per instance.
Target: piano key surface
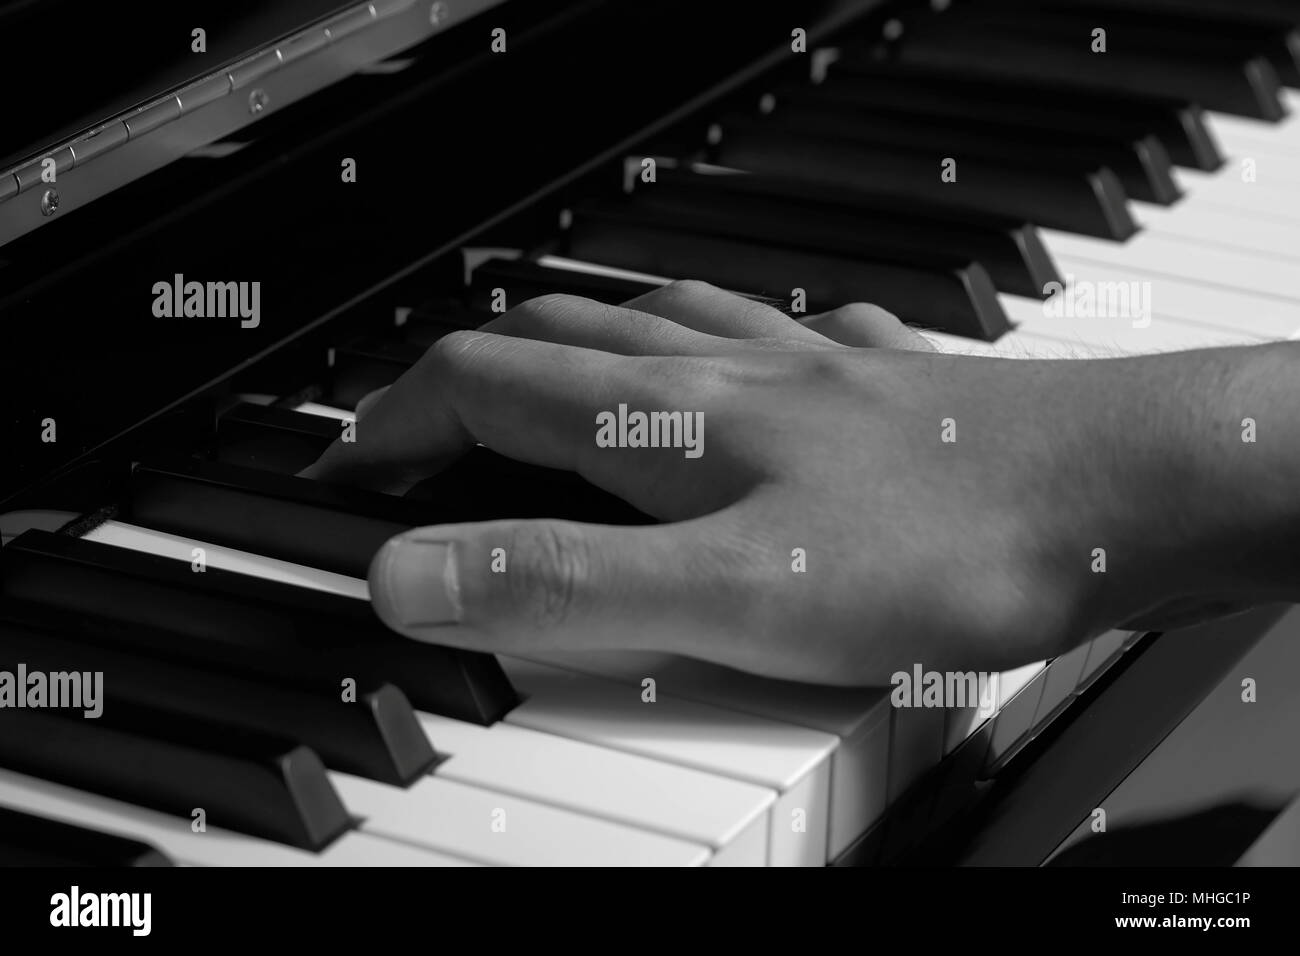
(842, 749)
(598, 712)
(211, 846)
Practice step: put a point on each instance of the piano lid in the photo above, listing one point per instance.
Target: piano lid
(106, 93)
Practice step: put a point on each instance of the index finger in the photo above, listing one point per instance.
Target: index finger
(531, 400)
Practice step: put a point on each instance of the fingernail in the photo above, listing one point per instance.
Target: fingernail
(413, 583)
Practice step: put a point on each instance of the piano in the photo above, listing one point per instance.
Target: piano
(348, 182)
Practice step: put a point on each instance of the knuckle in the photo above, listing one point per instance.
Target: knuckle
(865, 312)
(547, 309)
(689, 289)
(551, 568)
(760, 316)
(456, 348)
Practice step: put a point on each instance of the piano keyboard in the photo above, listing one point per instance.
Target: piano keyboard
(829, 186)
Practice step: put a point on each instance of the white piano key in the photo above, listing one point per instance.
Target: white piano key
(1016, 344)
(748, 848)
(325, 411)
(1273, 163)
(624, 788)
(1236, 172)
(1283, 135)
(1104, 335)
(1013, 682)
(213, 847)
(715, 810)
(596, 269)
(1060, 681)
(1165, 256)
(1103, 651)
(858, 717)
(1197, 303)
(1023, 343)
(1019, 693)
(916, 738)
(795, 761)
(1227, 189)
(957, 345)
(1220, 228)
(1246, 137)
(504, 830)
(125, 535)
(960, 722)
(257, 398)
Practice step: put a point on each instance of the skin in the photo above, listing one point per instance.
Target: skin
(825, 435)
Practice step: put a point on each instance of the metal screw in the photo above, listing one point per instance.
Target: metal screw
(258, 101)
(50, 202)
(437, 13)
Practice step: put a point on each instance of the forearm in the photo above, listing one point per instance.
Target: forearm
(1215, 440)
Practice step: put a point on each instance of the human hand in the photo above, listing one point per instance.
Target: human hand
(947, 509)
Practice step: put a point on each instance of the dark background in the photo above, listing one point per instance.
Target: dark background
(440, 148)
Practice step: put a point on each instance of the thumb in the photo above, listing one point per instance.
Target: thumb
(521, 586)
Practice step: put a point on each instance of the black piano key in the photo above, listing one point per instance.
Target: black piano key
(250, 783)
(447, 309)
(357, 369)
(339, 528)
(300, 637)
(956, 296)
(274, 515)
(272, 438)
(1191, 33)
(1052, 109)
(27, 840)
(434, 318)
(283, 510)
(1010, 250)
(376, 735)
(1244, 85)
(485, 486)
(1092, 204)
(1141, 162)
(755, 220)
